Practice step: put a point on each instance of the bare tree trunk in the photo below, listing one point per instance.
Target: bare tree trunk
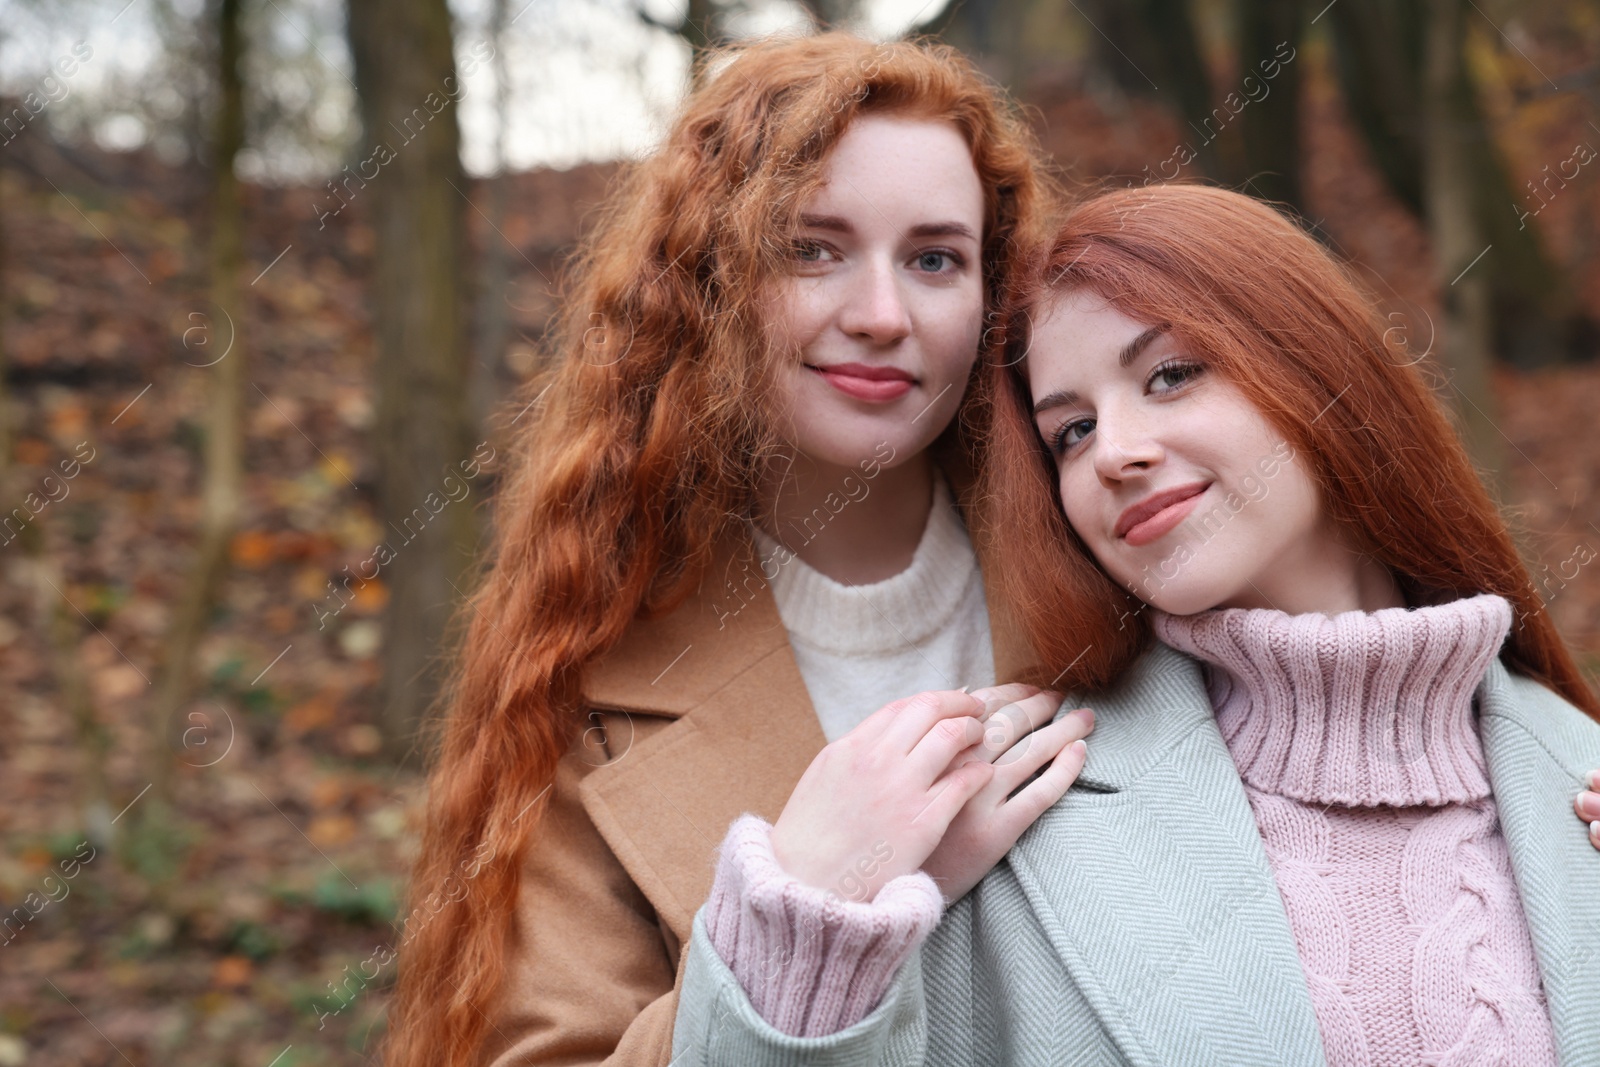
(829, 14)
(1270, 125)
(704, 27)
(1378, 53)
(223, 490)
(1379, 46)
(494, 325)
(6, 430)
(1458, 243)
(990, 31)
(1157, 54)
(405, 71)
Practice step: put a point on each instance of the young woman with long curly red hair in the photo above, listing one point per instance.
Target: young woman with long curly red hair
(734, 531)
(1326, 818)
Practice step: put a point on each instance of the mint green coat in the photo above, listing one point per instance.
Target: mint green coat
(1138, 922)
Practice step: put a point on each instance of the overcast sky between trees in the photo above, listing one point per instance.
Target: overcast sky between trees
(590, 80)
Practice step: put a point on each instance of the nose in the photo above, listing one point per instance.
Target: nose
(1124, 448)
(875, 309)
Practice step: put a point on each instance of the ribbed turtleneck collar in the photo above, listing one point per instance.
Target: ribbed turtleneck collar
(900, 611)
(1357, 709)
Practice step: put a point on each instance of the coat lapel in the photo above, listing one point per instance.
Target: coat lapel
(1151, 881)
(740, 732)
(1538, 746)
(744, 731)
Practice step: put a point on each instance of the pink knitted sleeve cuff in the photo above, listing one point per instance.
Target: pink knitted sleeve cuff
(811, 962)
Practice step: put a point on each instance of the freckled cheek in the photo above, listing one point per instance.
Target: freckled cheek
(955, 342)
(806, 322)
(952, 307)
(1092, 519)
(1302, 514)
(973, 314)
(1076, 503)
(1256, 537)
(960, 367)
(798, 314)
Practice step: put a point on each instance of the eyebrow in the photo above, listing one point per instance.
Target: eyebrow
(1129, 353)
(941, 229)
(837, 224)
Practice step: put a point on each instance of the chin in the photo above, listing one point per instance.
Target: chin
(864, 434)
(1183, 598)
(888, 447)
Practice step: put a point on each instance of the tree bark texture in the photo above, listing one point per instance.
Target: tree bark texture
(416, 199)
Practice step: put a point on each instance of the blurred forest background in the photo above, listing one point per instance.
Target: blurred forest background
(267, 267)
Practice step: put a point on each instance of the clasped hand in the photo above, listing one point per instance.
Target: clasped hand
(926, 783)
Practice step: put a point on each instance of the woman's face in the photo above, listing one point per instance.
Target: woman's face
(884, 304)
(1178, 485)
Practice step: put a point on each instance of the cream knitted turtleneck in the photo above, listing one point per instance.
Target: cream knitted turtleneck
(860, 646)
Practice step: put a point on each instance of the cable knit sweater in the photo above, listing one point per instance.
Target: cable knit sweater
(1356, 740)
(1358, 745)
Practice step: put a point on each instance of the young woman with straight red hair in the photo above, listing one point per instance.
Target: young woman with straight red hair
(1327, 814)
(735, 530)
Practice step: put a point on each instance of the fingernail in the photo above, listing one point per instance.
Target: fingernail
(1594, 829)
(1593, 779)
(1589, 805)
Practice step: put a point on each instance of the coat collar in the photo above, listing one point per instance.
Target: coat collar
(1152, 883)
(673, 664)
(1538, 747)
(721, 666)
(1146, 874)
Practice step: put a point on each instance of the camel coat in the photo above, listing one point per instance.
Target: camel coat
(696, 718)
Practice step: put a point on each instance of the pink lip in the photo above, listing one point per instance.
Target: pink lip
(874, 384)
(1156, 515)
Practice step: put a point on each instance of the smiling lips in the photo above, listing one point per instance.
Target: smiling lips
(874, 384)
(1158, 513)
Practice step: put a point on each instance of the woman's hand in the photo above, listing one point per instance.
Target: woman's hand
(1018, 743)
(1588, 807)
(873, 804)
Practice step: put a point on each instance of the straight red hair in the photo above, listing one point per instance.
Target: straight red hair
(1252, 295)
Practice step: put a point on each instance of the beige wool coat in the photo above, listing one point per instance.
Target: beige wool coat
(696, 718)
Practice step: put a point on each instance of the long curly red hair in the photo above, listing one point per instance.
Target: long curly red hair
(641, 446)
(1251, 294)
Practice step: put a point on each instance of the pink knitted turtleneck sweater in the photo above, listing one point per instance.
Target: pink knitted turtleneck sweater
(1356, 740)
(1358, 745)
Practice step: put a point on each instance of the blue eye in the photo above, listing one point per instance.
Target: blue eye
(935, 260)
(1066, 434)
